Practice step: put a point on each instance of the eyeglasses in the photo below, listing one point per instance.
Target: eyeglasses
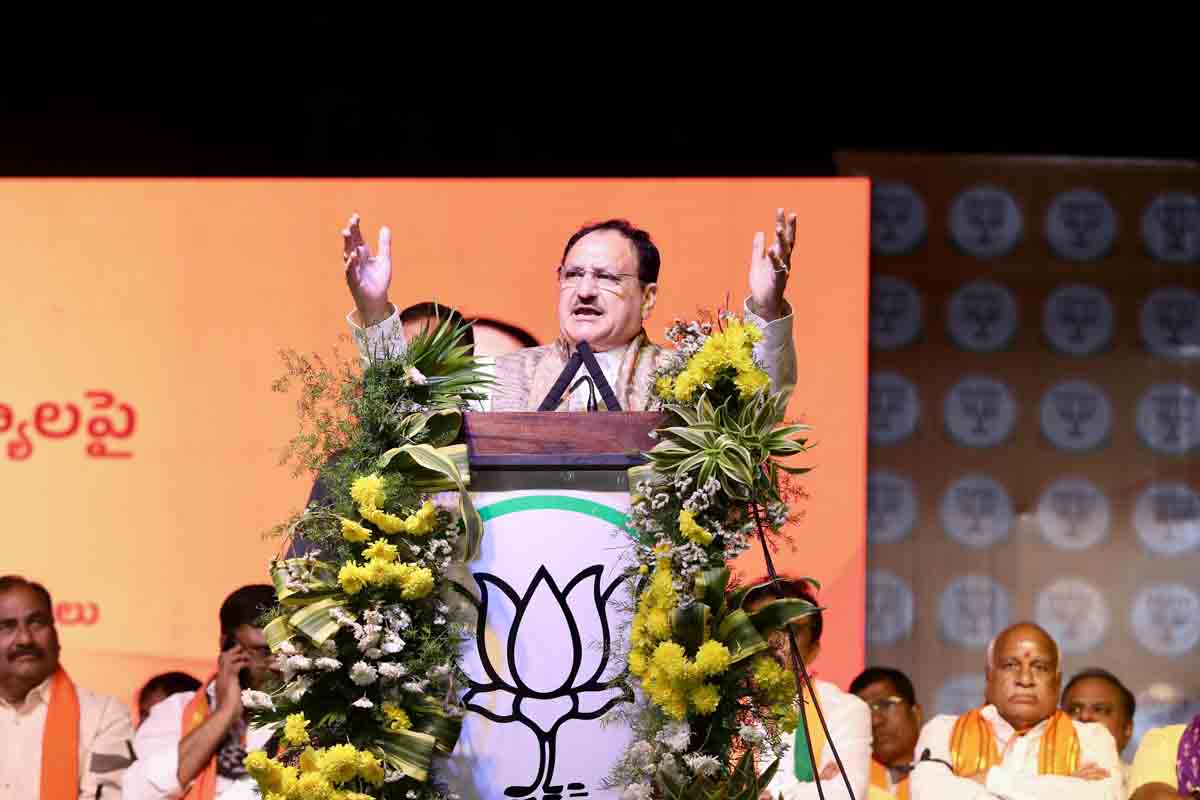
(885, 704)
(571, 277)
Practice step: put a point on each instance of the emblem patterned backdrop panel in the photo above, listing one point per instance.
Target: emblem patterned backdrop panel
(1035, 419)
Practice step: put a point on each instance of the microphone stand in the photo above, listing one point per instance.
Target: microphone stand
(583, 356)
(800, 673)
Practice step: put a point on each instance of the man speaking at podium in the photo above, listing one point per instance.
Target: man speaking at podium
(608, 284)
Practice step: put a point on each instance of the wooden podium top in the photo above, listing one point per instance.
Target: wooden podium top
(600, 440)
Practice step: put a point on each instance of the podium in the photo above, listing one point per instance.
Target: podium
(551, 601)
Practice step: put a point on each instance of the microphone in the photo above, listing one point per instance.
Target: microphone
(601, 383)
(926, 756)
(591, 401)
(564, 379)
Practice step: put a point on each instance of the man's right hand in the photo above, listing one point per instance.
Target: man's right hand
(368, 276)
(229, 690)
(198, 747)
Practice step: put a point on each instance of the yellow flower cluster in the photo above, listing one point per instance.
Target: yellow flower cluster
(415, 582)
(692, 530)
(353, 532)
(730, 349)
(382, 550)
(397, 719)
(369, 493)
(674, 682)
(417, 524)
(776, 688)
(295, 730)
(319, 773)
(652, 621)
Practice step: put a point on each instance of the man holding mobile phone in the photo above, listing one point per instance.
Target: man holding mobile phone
(193, 743)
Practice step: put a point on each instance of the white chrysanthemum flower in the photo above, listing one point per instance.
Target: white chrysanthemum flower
(280, 663)
(363, 702)
(300, 663)
(297, 688)
(392, 644)
(373, 616)
(257, 700)
(641, 756)
(416, 687)
(374, 654)
(329, 647)
(703, 765)
(751, 734)
(676, 736)
(286, 648)
(363, 674)
(327, 664)
(637, 791)
(368, 636)
(392, 672)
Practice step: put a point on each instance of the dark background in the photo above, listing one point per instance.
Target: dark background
(339, 132)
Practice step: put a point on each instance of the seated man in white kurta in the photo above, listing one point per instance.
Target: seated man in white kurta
(608, 284)
(1017, 746)
(848, 718)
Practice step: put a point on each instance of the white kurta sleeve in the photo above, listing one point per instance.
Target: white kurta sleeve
(776, 352)
(849, 721)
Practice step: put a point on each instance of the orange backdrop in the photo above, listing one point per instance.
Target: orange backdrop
(175, 296)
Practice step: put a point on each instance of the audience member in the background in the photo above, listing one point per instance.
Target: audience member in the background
(57, 740)
(848, 718)
(1019, 744)
(1167, 764)
(160, 687)
(895, 725)
(495, 338)
(193, 744)
(1096, 695)
(420, 317)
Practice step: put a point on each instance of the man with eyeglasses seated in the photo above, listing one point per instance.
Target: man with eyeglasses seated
(608, 285)
(1018, 745)
(895, 725)
(1096, 695)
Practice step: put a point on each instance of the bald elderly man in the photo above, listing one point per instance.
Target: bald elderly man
(1018, 745)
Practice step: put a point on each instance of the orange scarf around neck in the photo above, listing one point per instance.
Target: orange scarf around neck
(973, 745)
(60, 741)
(204, 787)
(881, 786)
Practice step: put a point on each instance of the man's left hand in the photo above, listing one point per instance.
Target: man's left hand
(829, 772)
(1091, 772)
(769, 268)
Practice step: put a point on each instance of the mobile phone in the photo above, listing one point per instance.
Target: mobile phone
(228, 643)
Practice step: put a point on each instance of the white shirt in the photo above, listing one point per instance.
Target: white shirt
(849, 721)
(104, 734)
(1016, 778)
(775, 352)
(155, 775)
